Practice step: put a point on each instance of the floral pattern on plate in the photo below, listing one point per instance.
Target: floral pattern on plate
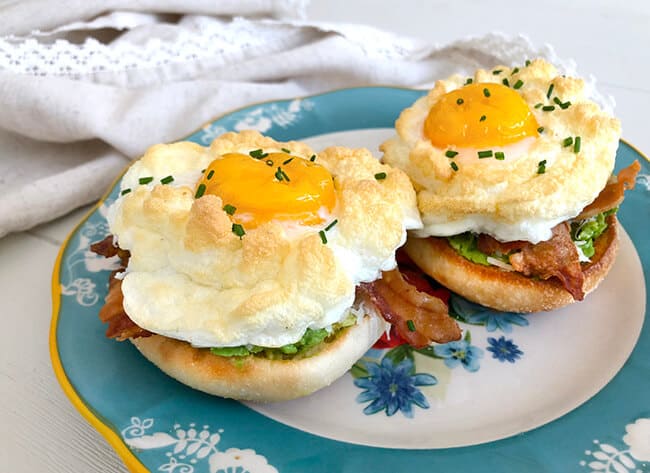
(503, 349)
(193, 450)
(475, 314)
(393, 386)
(261, 118)
(390, 380)
(607, 458)
(74, 276)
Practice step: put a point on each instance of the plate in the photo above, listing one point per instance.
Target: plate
(512, 388)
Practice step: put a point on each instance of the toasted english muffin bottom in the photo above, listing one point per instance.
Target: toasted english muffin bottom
(508, 291)
(261, 379)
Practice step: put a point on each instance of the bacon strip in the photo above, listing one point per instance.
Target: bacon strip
(107, 248)
(120, 326)
(557, 257)
(489, 245)
(612, 194)
(399, 302)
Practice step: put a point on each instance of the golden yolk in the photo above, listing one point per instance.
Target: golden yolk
(479, 115)
(275, 187)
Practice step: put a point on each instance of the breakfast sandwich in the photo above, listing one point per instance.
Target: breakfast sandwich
(260, 270)
(513, 173)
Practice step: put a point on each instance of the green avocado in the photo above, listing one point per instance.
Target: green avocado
(466, 244)
(304, 347)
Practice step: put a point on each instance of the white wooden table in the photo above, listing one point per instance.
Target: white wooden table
(41, 431)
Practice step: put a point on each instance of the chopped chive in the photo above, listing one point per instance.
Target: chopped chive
(229, 209)
(482, 119)
(450, 153)
(514, 71)
(538, 105)
(167, 180)
(540, 129)
(313, 158)
(202, 171)
(410, 325)
(287, 161)
(258, 154)
(145, 180)
(454, 166)
(331, 225)
(518, 84)
(563, 105)
(496, 72)
(125, 191)
(288, 151)
(576, 145)
(485, 154)
(486, 92)
(505, 82)
(499, 156)
(541, 167)
(548, 108)
(323, 237)
(549, 91)
(527, 62)
(200, 191)
(269, 162)
(567, 141)
(469, 81)
(460, 101)
(280, 175)
(238, 230)
(380, 175)
(210, 174)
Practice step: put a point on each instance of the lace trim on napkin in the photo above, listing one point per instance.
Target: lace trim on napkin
(198, 39)
(203, 39)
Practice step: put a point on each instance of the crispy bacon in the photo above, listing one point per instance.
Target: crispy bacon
(400, 302)
(612, 195)
(120, 326)
(557, 257)
(489, 245)
(107, 248)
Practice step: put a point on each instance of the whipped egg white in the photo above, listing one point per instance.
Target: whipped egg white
(192, 277)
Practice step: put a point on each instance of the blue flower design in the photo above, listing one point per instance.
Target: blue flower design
(477, 314)
(460, 353)
(504, 350)
(393, 387)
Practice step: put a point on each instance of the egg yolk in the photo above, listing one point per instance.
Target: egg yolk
(277, 186)
(479, 115)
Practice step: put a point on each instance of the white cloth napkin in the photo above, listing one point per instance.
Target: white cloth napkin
(86, 93)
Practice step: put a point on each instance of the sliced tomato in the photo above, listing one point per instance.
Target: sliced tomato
(389, 339)
(423, 284)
